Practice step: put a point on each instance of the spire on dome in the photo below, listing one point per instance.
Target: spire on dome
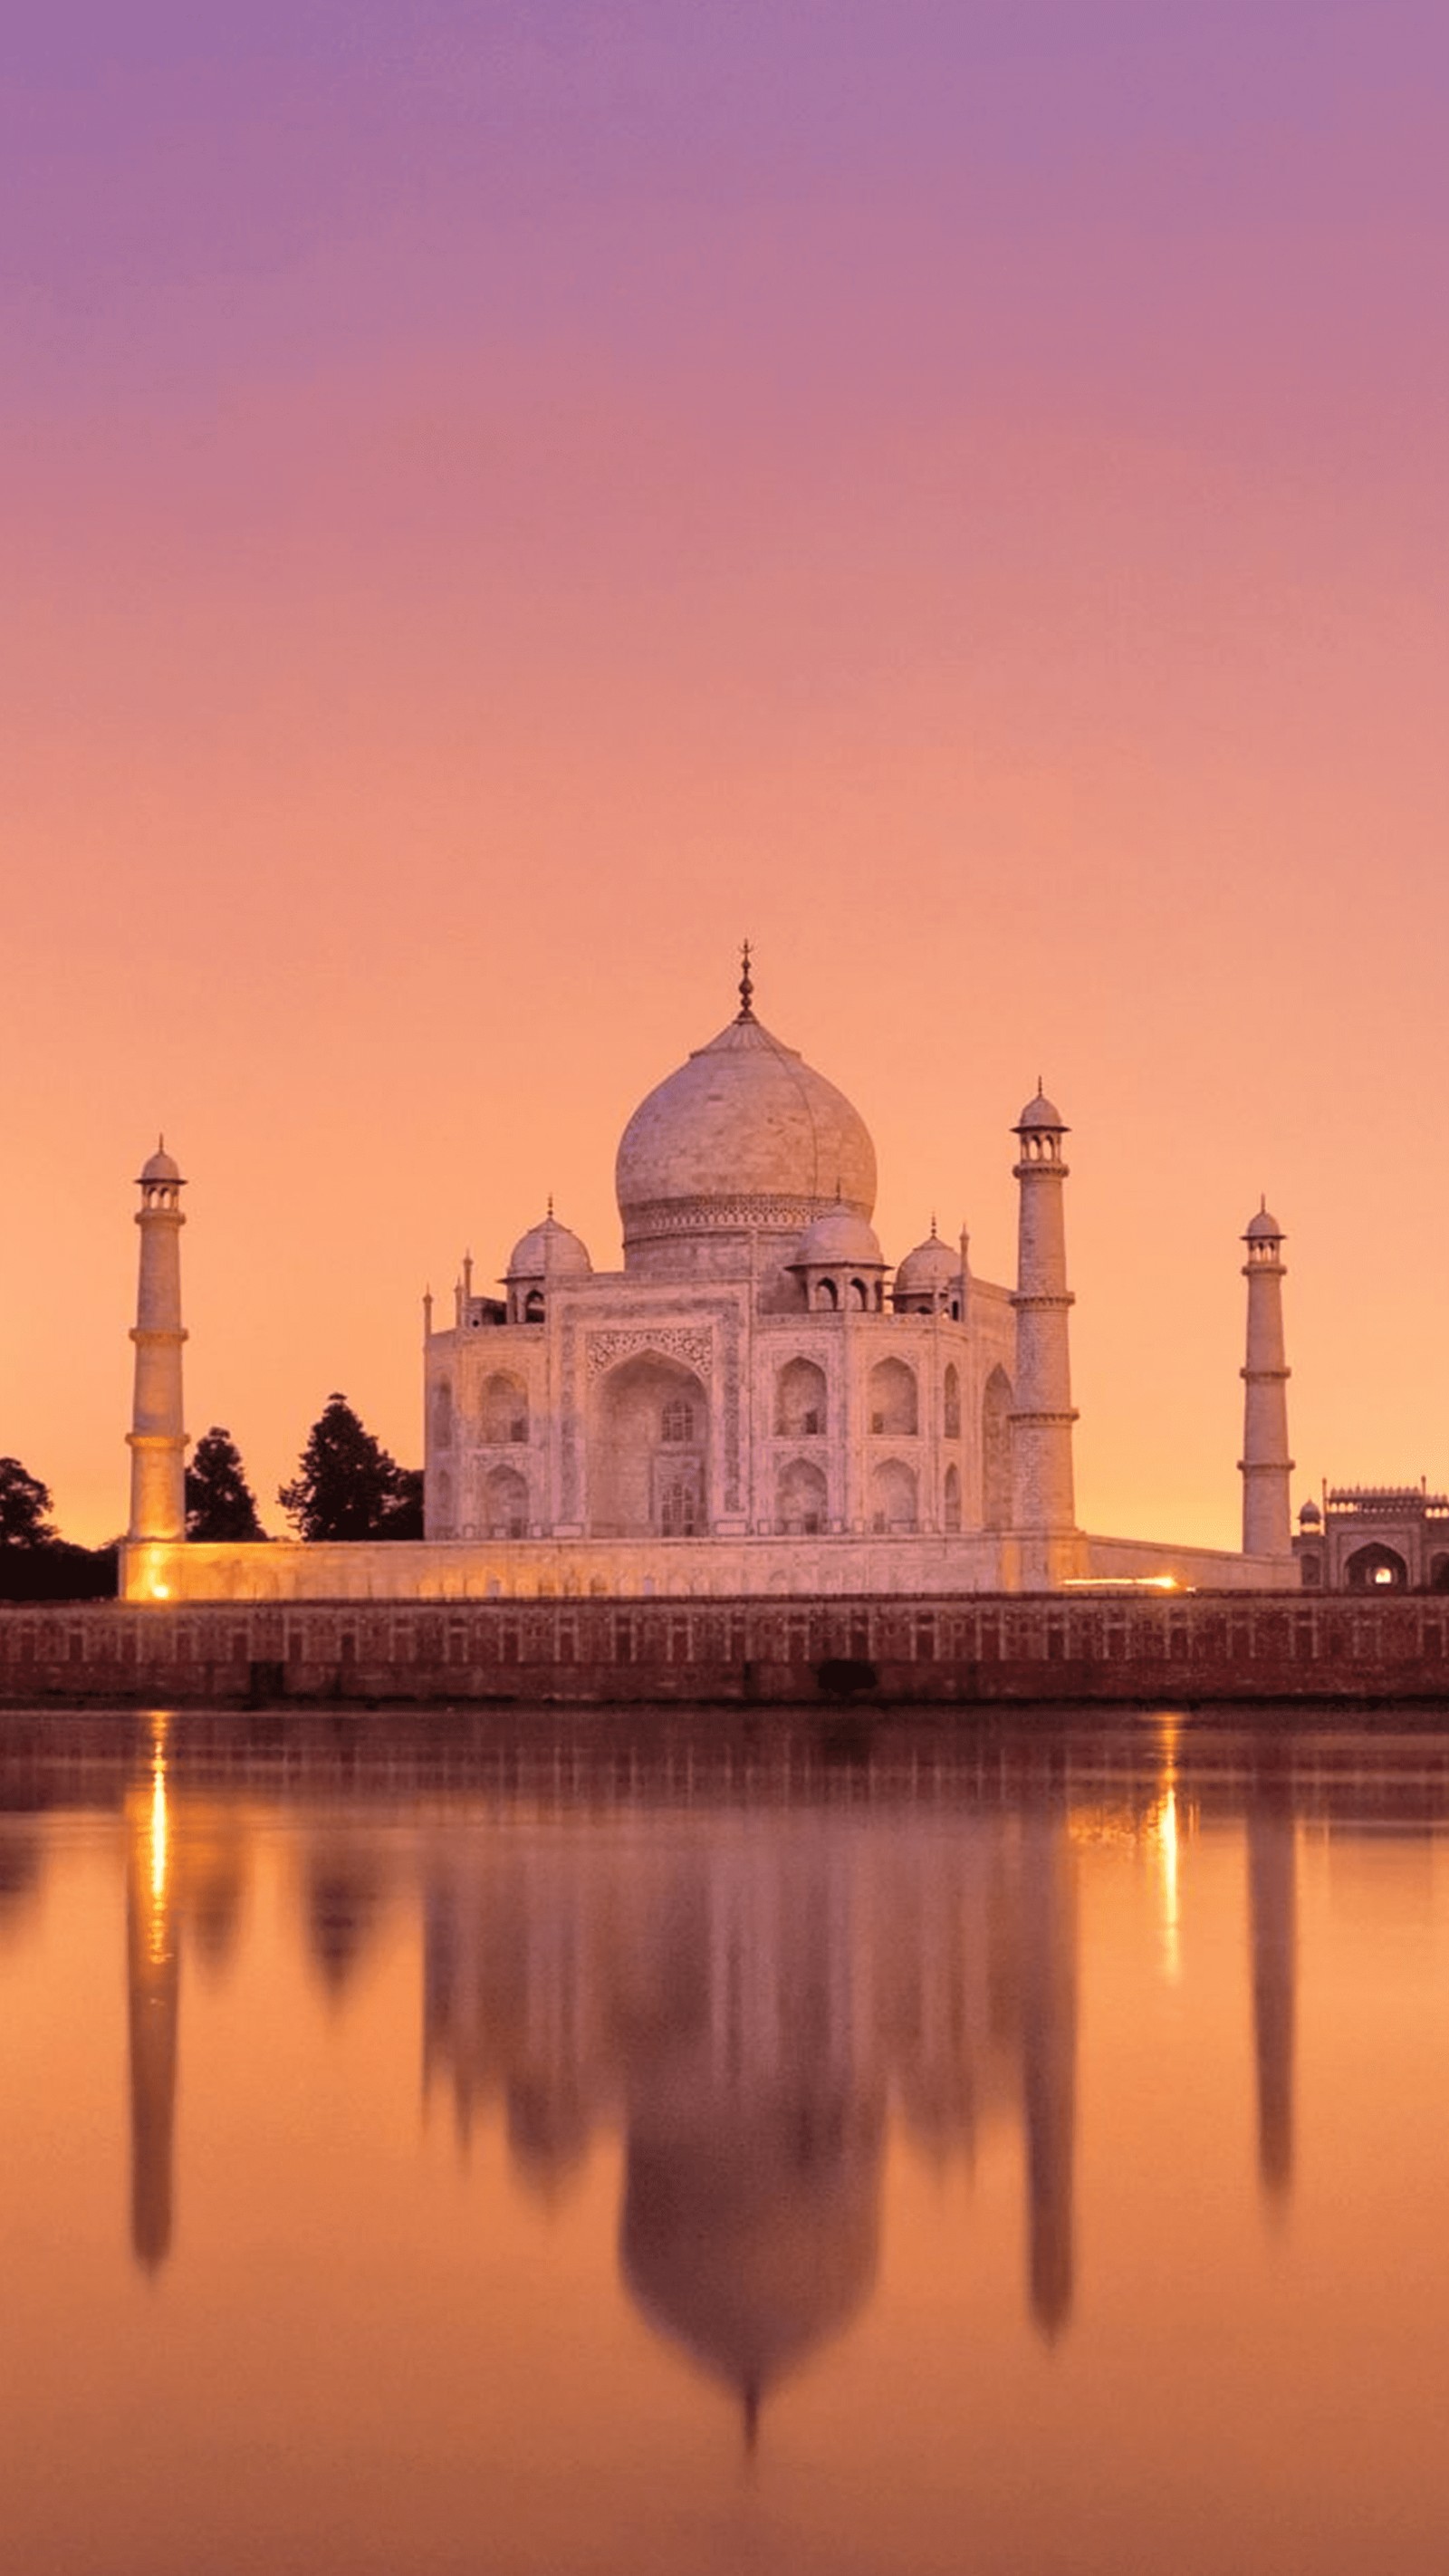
(747, 988)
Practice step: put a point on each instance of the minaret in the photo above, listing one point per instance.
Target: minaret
(1042, 1415)
(157, 1439)
(1265, 1464)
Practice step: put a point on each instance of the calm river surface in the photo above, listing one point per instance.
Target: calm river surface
(669, 2148)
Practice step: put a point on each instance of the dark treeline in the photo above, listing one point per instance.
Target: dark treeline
(347, 1486)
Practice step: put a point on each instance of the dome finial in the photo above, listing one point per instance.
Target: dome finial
(550, 1203)
(747, 988)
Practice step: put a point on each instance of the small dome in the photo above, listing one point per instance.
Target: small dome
(1310, 1517)
(550, 1251)
(1041, 1112)
(159, 1166)
(930, 1267)
(841, 1238)
(1263, 1228)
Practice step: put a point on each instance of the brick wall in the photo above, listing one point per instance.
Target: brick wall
(967, 1650)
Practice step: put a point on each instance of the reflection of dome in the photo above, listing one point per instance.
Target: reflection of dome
(752, 2237)
(743, 1135)
(839, 1237)
(929, 1268)
(160, 1167)
(550, 1251)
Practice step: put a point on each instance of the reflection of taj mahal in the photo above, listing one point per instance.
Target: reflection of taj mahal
(755, 2002)
(754, 1402)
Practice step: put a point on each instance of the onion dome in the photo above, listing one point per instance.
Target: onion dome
(841, 1239)
(750, 2230)
(160, 1166)
(931, 1267)
(743, 1138)
(1040, 1112)
(1310, 1517)
(550, 1251)
(1263, 1228)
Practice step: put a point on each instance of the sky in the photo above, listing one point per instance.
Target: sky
(500, 502)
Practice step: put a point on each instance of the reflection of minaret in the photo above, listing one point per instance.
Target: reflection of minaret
(344, 1886)
(19, 1868)
(1049, 2052)
(1272, 1923)
(153, 1979)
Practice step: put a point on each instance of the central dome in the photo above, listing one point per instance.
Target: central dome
(744, 1138)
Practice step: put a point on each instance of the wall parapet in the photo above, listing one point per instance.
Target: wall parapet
(951, 1650)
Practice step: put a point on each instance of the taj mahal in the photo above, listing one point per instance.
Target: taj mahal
(756, 1401)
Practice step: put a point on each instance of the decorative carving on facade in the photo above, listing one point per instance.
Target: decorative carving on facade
(760, 1214)
(568, 1428)
(694, 1349)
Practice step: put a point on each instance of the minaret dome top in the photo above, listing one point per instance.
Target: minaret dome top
(159, 1166)
(1040, 1112)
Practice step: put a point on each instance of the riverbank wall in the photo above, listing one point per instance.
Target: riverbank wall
(964, 1652)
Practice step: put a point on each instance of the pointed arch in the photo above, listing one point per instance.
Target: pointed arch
(894, 1409)
(800, 1400)
(800, 1499)
(996, 1404)
(505, 1503)
(503, 1410)
(893, 1496)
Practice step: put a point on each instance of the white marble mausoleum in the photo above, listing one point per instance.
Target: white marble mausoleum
(755, 1400)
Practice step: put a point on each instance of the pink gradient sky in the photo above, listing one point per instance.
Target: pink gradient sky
(500, 501)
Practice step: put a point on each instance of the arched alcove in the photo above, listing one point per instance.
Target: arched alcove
(800, 1499)
(1376, 1568)
(996, 1403)
(503, 1410)
(893, 1407)
(443, 1414)
(951, 1500)
(951, 1402)
(649, 1451)
(892, 1495)
(800, 1400)
(505, 1503)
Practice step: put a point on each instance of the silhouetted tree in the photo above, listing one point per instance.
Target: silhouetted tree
(220, 1503)
(405, 1511)
(346, 1484)
(24, 1508)
(35, 1563)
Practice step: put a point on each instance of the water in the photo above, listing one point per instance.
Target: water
(667, 2148)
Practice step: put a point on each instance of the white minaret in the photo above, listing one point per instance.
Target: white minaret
(1265, 1463)
(157, 1439)
(1042, 1416)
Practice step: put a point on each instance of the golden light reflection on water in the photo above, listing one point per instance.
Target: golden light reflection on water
(837, 2112)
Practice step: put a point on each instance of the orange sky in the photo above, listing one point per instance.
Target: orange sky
(490, 524)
